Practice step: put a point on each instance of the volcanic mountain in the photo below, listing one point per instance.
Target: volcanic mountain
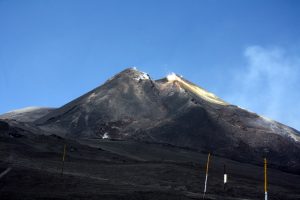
(138, 138)
(172, 110)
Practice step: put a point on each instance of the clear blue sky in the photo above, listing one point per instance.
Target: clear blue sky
(247, 52)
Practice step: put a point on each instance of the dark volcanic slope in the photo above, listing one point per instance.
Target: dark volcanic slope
(174, 111)
(128, 102)
(111, 170)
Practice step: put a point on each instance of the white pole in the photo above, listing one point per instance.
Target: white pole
(206, 175)
(205, 183)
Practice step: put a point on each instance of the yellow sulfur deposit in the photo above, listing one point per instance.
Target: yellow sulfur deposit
(210, 97)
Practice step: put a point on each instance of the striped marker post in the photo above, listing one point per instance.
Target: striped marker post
(206, 175)
(265, 178)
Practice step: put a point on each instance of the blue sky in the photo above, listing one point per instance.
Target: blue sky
(247, 52)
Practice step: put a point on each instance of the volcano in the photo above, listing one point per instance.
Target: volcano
(173, 111)
(132, 111)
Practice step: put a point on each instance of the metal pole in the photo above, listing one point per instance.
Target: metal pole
(265, 173)
(206, 175)
(63, 160)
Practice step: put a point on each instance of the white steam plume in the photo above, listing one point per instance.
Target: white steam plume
(269, 84)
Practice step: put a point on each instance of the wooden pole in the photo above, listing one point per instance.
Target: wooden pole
(265, 178)
(206, 175)
(63, 159)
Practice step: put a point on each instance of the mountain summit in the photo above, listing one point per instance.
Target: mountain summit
(173, 111)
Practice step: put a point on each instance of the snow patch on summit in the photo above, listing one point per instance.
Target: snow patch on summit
(142, 76)
(172, 77)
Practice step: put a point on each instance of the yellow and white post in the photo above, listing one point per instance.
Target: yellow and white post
(265, 178)
(206, 175)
